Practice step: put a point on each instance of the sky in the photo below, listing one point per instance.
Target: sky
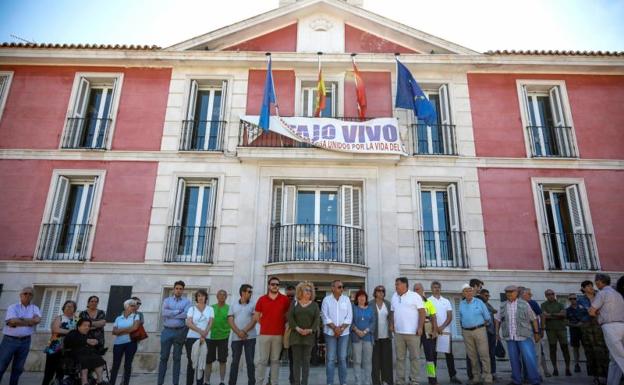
(481, 25)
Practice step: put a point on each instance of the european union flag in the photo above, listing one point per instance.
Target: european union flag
(267, 99)
(410, 96)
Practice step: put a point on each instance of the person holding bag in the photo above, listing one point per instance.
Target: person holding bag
(199, 321)
(61, 326)
(124, 346)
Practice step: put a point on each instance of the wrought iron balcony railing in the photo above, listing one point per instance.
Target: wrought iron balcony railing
(190, 244)
(438, 139)
(550, 141)
(64, 242)
(316, 243)
(568, 251)
(250, 135)
(86, 133)
(202, 135)
(443, 249)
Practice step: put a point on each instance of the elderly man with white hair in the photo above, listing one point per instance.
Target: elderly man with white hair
(608, 305)
(474, 317)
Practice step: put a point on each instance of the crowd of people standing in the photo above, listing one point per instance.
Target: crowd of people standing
(373, 329)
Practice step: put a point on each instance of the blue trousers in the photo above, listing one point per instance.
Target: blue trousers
(171, 338)
(126, 351)
(237, 350)
(14, 349)
(336, 348)
(523, 352)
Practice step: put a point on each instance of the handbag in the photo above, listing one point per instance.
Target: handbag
(499, 350)
(139, 334)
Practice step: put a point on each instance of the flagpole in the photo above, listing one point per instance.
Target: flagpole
(268, 55)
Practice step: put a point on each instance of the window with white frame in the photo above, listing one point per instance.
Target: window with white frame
(549, 131)
(67, 229)
(52, 300)
(568, 243)
(191, 236)
(204, 125)
(309, 99)
(438, 138)
(441, 239)
(5, 83)
(317, 223)
(92, 111)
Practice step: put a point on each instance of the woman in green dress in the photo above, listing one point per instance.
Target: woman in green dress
(303, 321)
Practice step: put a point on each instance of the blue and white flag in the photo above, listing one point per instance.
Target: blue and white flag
(267, 99)
(409, 95)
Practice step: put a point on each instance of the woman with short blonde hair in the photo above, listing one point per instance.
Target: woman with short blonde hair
(304, 321)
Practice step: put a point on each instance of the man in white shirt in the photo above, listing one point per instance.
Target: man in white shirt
(409, 318)
(444, 317)
(337, 315)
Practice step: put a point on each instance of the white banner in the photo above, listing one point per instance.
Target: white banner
(375, 136)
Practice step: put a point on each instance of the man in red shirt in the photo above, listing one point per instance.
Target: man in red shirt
(270, 313)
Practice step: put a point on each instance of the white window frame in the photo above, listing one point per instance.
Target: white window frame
(193, 84)
(440, 183)
(73, 174)
(338, 79)
(541, 224)
(116, 78)
(565, 105)
(48, 317)
(4, 89)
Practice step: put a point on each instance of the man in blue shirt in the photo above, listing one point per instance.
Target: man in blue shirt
(173, 312)
(474, 317)
(577, 316)
(526, 294)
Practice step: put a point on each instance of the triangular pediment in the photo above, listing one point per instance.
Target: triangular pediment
(361, 29)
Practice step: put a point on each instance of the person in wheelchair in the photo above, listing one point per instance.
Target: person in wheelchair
(82, 351)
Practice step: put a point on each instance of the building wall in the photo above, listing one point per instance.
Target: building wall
(36, 109)
(359, 41)
(121, 228)
(280, 40)
(515, 244)
(378, 94)
(595, 104)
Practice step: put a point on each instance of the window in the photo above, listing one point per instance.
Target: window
(309, 95)
(52, 300)
(442, 242)
(564, 224)
(548, 128)
(191, 236)
(317, 224)
(439, 138)
(203, 128)
(91, 113)
(5, 83)
(456, 330)
(67, 229)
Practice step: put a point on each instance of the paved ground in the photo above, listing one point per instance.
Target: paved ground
(317, 376)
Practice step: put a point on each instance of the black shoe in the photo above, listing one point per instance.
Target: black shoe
(568, 373)
(454, 380)
(577, 368)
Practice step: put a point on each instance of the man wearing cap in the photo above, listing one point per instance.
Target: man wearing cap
(516, 323)
(20, 322)
(474, 318)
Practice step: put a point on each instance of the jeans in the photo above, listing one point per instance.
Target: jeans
(190, 372)
(237, 349)
(13, 349)
(362, 361)
(301, 363)
(176, 338)
(336, 349)
(127, 350)
(523, 352)
(382, 362)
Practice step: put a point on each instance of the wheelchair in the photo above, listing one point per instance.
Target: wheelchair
(72, 369)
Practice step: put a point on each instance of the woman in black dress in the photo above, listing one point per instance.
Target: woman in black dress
(97, 318)
(82, 351)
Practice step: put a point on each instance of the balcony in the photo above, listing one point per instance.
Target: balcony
(250, 135)
(552, 142)
(63, 242)
(202, 135)
(90, 133)
(316, 243)
(190, 244)
(568, 251)
(436, 139)
(445, 249)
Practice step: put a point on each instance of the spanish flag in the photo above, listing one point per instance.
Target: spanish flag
(320, 92)
(360, 92)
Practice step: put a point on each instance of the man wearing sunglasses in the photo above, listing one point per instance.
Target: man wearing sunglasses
(21, 320)
(243, 327)
(337, 316)
(270, 312)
